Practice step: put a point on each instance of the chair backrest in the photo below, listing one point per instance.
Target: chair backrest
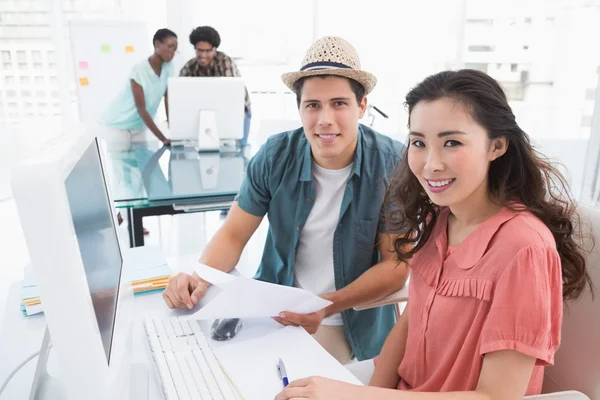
(577, 362)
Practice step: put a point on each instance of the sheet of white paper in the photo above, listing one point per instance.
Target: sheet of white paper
(252, 365)
(144, 262)
(249, 298)
(213, 275)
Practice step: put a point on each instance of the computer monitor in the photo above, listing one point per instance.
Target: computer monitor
(69, 226)
(206, 110)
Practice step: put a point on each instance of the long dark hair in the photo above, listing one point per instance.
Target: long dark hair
(521, 175)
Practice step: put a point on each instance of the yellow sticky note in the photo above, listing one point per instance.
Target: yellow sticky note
(129, 49)
(84, 81)
(105, 48)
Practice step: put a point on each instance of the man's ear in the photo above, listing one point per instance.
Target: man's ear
(363, 107)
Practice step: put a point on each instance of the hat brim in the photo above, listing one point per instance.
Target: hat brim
(366, 79)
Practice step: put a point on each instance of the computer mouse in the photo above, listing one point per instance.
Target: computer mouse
(225, 329)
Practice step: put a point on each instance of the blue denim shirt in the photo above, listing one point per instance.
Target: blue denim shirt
(279, 184)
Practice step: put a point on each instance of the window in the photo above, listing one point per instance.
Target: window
(13, 105)
(9, 80)
(36, 56)
(483, 67)
(515, 91)
(586, 121)
(499, 66)
(480, 21)
(513, 67)
(21, 56)
(528, 20)
(53, 80)
(39, 80)
(481, 48)
(24, 80)
(22, 66)
(40, 94)
(590, 94)
(51, 58)
(525, 47)
(6, 57)
(38, 66)
(25, 93)
(11, 94)
(54, 94)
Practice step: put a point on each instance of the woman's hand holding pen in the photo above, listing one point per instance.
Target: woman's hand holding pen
(317, 388)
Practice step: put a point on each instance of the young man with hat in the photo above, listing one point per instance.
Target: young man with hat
(323, 188)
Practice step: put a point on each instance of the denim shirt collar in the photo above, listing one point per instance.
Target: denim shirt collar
(306, 172)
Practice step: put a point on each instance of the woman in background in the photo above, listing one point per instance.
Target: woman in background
(490, 241)
(134, 108)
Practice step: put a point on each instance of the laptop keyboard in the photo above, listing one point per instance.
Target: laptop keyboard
(187, 366)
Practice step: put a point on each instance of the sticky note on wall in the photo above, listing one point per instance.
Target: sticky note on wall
(83, 65)
(105, 48)
(84, 81)
(129, 49)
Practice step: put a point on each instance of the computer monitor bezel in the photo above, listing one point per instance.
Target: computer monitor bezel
(41, 199)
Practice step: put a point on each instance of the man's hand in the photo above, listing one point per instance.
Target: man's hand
(184, 291)
(310, 322)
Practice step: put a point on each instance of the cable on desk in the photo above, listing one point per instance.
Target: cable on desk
(17, 369)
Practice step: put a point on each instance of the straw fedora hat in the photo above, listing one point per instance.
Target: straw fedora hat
(331, 55)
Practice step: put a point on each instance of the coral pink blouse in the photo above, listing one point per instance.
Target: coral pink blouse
(500, 289)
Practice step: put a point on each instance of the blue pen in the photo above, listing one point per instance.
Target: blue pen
(282, 373)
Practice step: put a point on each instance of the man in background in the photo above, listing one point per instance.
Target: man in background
(211, 62)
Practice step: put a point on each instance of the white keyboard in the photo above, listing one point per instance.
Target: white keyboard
(186, 364)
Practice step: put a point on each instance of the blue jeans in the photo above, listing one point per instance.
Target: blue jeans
(247, 119)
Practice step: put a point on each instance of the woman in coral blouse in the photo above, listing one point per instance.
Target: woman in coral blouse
(490, 241)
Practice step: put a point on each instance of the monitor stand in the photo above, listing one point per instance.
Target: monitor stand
(48, 387)
(208, 134)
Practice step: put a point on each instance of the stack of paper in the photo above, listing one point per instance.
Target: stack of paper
(30, 294)
(146, 268)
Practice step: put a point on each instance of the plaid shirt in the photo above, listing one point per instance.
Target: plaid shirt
(222, 65)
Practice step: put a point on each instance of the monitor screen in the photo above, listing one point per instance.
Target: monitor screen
(97, 238)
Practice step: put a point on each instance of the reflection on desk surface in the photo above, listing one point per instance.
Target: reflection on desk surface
(147, 172)
(182, 172)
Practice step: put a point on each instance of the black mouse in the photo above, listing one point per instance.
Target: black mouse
(225, 329)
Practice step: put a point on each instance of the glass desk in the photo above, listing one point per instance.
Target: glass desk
(148, 180)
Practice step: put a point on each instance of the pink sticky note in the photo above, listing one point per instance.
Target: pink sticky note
(83, 65)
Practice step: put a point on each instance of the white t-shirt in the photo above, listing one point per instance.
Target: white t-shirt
(314, 257)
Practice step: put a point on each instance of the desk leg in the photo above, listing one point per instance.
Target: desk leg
(135, 227)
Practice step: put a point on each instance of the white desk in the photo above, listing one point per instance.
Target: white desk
(21, 336)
